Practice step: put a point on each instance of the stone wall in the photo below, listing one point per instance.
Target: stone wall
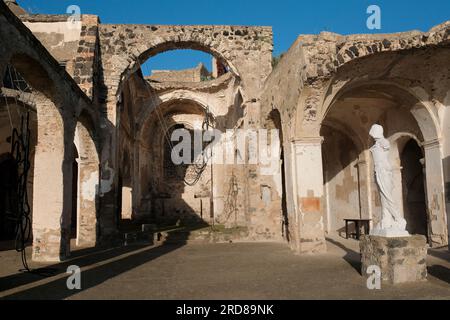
(58, 101)
(197, 74)
(245, 50)
(73, 44)
(400, 260)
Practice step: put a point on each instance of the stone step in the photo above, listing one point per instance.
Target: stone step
(137, 237)
(207, 236)
(148, 235)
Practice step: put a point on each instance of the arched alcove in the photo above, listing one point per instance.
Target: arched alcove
(354, 110)
(50, 206)
(167, 191)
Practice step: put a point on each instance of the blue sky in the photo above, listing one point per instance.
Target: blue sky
(289, 18)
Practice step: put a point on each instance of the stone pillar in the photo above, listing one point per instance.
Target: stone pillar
(435, 194)
(107, 222)
(88, 186)
(136, 180)
(50, 237)
(309, 188)
(52, 184)
(400, 260)
(87, 212)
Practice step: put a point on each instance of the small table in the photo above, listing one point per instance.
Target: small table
(358, 223)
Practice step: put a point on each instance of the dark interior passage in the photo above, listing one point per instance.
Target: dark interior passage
(413, 188)
(8, 196)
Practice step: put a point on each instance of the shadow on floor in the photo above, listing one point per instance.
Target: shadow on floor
(9, 245)
(352, 257)
(440, 272)
(57, 289)
(81, 258)
(440, 254)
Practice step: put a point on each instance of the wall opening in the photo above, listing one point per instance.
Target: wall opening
(8, 196)
(414, 202)
(183, 65)
(12, 113)
(171, 192)
(275, 119)
(354, 193)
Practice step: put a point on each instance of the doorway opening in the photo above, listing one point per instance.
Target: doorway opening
(414, 202)
(8, 197)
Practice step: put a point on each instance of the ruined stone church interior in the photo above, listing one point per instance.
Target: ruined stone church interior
(85, 127)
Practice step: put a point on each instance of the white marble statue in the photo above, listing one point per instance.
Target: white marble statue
(392, 224)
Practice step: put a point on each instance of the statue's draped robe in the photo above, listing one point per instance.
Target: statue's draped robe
(390, 216)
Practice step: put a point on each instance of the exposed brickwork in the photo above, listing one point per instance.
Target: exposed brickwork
(86, 62)
(327, 52)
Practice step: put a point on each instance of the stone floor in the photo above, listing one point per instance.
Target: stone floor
(218, 271)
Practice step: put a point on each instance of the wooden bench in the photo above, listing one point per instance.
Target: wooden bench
(358, 224)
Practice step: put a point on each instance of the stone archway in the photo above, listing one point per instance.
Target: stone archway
(242, 49)
(362, 104)
(161, 193)
(58, 101)
(246, 51)
(51, 205)
(15, 108)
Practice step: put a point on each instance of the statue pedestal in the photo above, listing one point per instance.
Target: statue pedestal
(390, 233)
(401, 259)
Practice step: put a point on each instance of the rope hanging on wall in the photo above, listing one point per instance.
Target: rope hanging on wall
(20, 212)
(200, 166)
(20, 150)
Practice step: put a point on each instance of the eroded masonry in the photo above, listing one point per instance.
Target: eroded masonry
(100, 164)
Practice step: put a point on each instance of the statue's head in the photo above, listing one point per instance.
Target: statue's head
(377, 132)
